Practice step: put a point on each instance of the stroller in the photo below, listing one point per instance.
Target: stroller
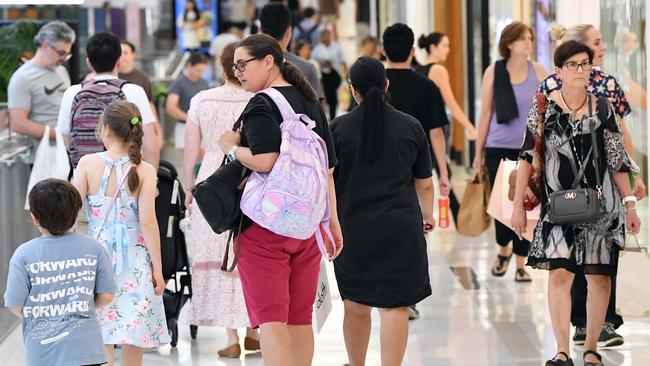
(170, 209)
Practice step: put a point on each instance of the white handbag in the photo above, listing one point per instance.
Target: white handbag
(50, 161)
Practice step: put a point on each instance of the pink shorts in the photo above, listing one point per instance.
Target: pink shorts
(279, 276)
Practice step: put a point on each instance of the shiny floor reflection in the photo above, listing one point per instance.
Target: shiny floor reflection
(471, 319)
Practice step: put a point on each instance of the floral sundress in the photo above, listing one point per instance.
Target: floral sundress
(136, 316)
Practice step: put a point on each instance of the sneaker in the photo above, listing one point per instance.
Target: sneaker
(580, 336)
(608, 336)
(413, 313)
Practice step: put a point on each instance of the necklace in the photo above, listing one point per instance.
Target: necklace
(574, 112)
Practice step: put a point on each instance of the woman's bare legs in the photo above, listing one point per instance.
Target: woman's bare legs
(356, 331)
(276, 344)
(559, 305)
(394, 335)
(598, 288)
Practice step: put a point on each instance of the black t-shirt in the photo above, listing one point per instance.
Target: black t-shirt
(413, 94)
(262, 118)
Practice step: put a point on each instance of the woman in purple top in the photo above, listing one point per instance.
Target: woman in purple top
(509, 85)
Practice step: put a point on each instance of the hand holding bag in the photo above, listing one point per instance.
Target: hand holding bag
(579, 205)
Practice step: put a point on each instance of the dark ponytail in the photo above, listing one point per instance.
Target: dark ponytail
(124, 119)
(294, 76)
(262, 45)
(434, 38)
(368, 78)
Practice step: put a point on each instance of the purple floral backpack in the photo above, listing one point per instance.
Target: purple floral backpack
(292, 199)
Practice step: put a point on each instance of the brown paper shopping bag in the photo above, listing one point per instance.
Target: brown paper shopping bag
(473, 218)
(500, 207)
(632, 290)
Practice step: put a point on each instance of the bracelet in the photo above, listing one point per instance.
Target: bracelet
(627, 199)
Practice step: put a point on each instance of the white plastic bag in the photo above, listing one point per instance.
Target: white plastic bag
(323, 301)
(49, 162)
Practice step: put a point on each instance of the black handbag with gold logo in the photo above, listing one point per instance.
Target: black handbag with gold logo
(579, 205)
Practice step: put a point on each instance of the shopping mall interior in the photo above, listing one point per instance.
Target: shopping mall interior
(472, 316)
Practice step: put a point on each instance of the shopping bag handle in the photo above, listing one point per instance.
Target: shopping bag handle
(638, 247)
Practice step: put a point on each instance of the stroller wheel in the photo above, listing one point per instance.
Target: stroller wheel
(173, 330)
(193, 330)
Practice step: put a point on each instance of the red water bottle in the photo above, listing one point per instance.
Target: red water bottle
(443, 212)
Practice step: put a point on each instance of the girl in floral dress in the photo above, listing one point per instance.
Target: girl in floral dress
(128, 230)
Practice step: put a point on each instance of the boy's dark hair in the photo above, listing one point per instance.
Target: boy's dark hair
(308, 12)
(55, 203)
(197, 58)
(131, 45)
(569, 49)
(103, 50)
(398, 41)
(275, 18)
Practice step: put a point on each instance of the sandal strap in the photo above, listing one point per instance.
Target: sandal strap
(563, 354)
(594, 353)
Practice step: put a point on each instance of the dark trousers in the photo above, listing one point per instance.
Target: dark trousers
(579, 303)
(453, 201)
(331, 82)
(504, 234)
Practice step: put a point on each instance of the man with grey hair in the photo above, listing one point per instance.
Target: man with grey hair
(36, 88)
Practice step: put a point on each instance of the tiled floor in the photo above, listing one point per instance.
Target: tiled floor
(471, 319)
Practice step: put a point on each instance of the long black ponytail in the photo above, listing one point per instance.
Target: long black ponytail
(368, 77)
(262, 45)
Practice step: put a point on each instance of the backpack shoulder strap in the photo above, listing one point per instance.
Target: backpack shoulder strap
(281, 102)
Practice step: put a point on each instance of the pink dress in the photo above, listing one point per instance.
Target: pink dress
(217, 297)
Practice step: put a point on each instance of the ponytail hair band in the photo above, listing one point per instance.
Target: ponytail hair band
(135, 121)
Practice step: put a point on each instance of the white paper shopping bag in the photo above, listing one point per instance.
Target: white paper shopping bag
(323, 301)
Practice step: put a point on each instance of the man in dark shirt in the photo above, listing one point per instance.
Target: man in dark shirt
(275, 19)
(416, 95)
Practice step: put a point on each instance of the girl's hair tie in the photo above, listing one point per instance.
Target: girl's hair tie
(135, 121)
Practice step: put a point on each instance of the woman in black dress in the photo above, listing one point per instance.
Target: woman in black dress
(590, 247)
(384, 192)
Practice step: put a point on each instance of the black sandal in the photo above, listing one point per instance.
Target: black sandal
(556, 362)
(522, 276)
(598, 356)
(503, 265)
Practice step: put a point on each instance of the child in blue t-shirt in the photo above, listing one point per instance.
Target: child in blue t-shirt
(57, 280)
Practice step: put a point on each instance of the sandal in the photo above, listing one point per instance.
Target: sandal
(522, 276)
(555, 361)
(500, 265)
(598, 356)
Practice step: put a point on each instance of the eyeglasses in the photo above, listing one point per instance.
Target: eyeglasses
(573, 66)
(63, 54)
(241, 65)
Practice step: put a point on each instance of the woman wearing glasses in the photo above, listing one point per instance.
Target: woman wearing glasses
(601, 85)
(569, 160)
(278, 274)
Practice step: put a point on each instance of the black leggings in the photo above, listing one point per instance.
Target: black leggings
(504, 234)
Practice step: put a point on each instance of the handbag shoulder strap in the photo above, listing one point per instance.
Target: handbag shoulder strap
(110, 204)
(594, 144)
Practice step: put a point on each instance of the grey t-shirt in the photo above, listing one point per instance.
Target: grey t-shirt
(54, 280)
(38, 90)
(186, 90)
(308, 70)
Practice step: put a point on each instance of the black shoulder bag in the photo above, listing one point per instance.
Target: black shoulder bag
(579, 205)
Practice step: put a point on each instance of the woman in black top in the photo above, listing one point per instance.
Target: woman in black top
(278, 274)
(384, 192)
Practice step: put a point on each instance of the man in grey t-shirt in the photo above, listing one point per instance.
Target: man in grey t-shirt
(181, 92)
(36, 88)
(276, 22)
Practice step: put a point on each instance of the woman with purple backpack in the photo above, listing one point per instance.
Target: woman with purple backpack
(278, 273)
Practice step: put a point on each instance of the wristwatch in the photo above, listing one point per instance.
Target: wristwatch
(231, 153)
